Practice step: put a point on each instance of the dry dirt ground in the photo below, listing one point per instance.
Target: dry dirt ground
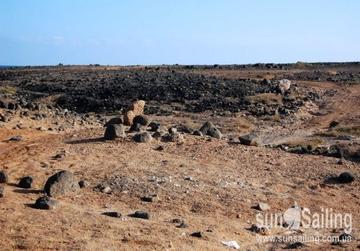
(211, 184)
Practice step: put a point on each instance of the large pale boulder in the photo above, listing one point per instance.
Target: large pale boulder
(136, 109)
(284, 85)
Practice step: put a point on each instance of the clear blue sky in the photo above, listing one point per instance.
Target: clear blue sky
(44, 32)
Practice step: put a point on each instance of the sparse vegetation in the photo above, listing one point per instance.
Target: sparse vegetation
(353, 130)
(9, 90)
(265, 98)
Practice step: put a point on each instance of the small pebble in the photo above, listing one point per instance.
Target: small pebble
(112, 214)
(197, 234)
(45, 203)
(25, 182)
(140, 215)
(3, 177)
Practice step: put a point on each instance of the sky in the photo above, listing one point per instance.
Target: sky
(152, 32)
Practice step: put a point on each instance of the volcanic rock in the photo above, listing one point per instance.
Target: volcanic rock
(141, 119)
(140, 215)
(135, 127)
(346, 177)
(2, 191)
(61, 183)
(259, 229)
(45, 203)
(25, 182)
(114, 121)
(209, 129)
(112, 214)
(249, 140)
(114, 131)
(144, 137)
(154, 126)
(3, 177)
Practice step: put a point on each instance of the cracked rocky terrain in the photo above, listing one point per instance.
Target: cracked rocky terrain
(161, 178)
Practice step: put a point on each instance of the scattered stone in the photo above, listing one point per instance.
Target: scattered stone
(346, 177)
(340, 161)
(157, 135)
(59, 156)
(172, 130)
(189, 178)
(259, 229)
(184, 129)
(112, 214)
(249, 140)
(61, 183)
(154, 126)
(197, 133)
(144, 137)
(4, 118)
(231, 244)
(177, 220)
(140, 215)
(150, 198)
(135, 127)
(16, 138)
(182, 225)
(175, 137)
(106, 190)
(114, 121)
(141, 119)
(333, 124)
(45, 203)
(295, 245)
(160, 148)
(262, 206)
(83, 184)
(25, 182)
(3, 177)
(197, 234)
(209, 129)
(2, 191)
(114, 131)
(284, 85)
(345, 237)
(41, 129)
